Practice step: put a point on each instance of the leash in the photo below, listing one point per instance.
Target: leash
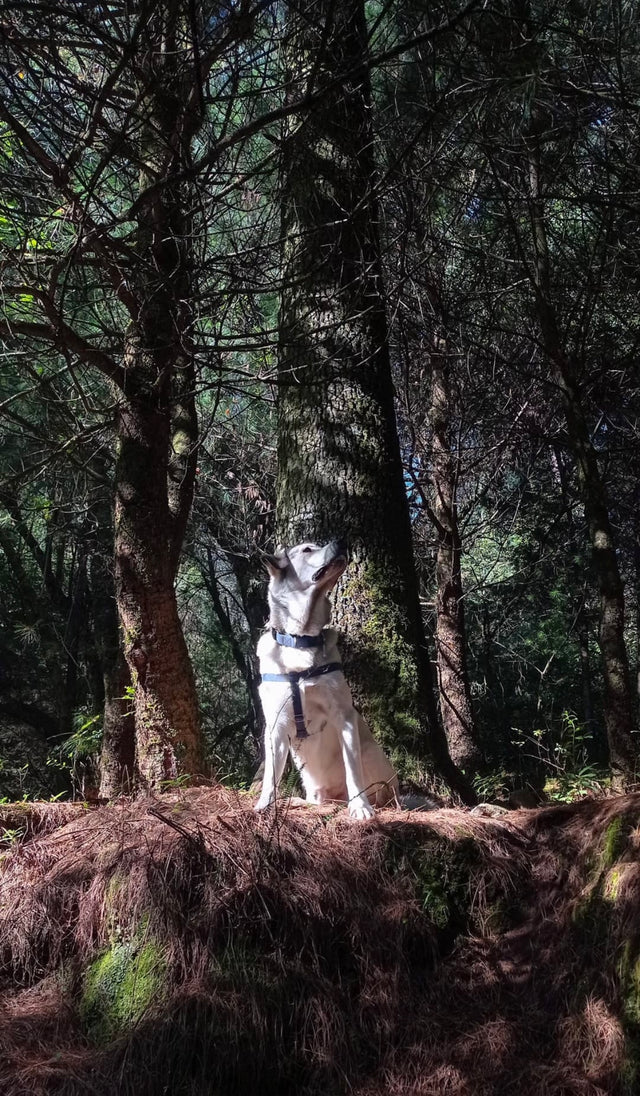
(294, 680)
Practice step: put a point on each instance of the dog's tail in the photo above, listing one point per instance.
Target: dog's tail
(414, 802)
(404, 801)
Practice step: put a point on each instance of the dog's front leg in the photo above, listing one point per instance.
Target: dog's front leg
(275, 757)
(359, 805)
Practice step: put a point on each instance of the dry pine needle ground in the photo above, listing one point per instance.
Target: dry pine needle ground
(184, 945)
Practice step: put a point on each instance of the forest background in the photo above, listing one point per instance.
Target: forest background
(273, 271)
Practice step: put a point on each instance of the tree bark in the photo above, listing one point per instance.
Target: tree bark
(117, 756)
(576, 570)
(168, 740)
(451, 646)
(619, 709)
(585, 670)
(74, 628)
(139, 115)
(157, 428)
(339, 467)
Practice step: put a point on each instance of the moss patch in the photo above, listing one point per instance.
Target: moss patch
(596, 924)
(592, 913)
(119, 987)
(612, 884)
(615, 840)
(380, 659)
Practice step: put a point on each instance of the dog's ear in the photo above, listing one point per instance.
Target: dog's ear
(276, 565)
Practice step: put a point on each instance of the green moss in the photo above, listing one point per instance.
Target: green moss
(597, 934)
(612, 885)
(615, 839)
(381, 662)
(592, 913)
(181, 442)
(114, 886)
(119, 987)
(116, 929)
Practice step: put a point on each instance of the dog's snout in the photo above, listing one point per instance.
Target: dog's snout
(339, 547)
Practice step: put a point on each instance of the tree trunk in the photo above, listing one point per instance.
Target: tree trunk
(117, 756)
(619, 718)
(576, 571)
(618, 703)
(74, 627)
(339, 467)
(451, 646)
(168, 740)
(585, 670)
(157, 428)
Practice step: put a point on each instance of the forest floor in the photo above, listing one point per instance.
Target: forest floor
(184, 945)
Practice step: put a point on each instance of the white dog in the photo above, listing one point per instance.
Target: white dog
(306, 700)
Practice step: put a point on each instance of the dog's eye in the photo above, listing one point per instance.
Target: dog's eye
(307, 549)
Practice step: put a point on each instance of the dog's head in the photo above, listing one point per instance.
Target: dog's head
(299, 576)
(308, 565)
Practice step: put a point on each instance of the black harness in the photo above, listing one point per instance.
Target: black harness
(284, 639)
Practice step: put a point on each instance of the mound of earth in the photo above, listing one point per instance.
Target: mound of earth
(184, 945)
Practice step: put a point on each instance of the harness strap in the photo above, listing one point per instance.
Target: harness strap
(285, 639)
(294, 678)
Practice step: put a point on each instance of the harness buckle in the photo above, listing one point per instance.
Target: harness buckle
(293, 679)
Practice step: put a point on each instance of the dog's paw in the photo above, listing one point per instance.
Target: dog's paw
(262, 804)
(361, 810)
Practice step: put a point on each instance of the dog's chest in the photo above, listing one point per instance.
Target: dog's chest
(316, 710)
(302, 689)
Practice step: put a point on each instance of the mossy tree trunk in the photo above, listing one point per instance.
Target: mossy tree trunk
(451, 646)
(157, 428)
(339, 466)
(618, 700)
